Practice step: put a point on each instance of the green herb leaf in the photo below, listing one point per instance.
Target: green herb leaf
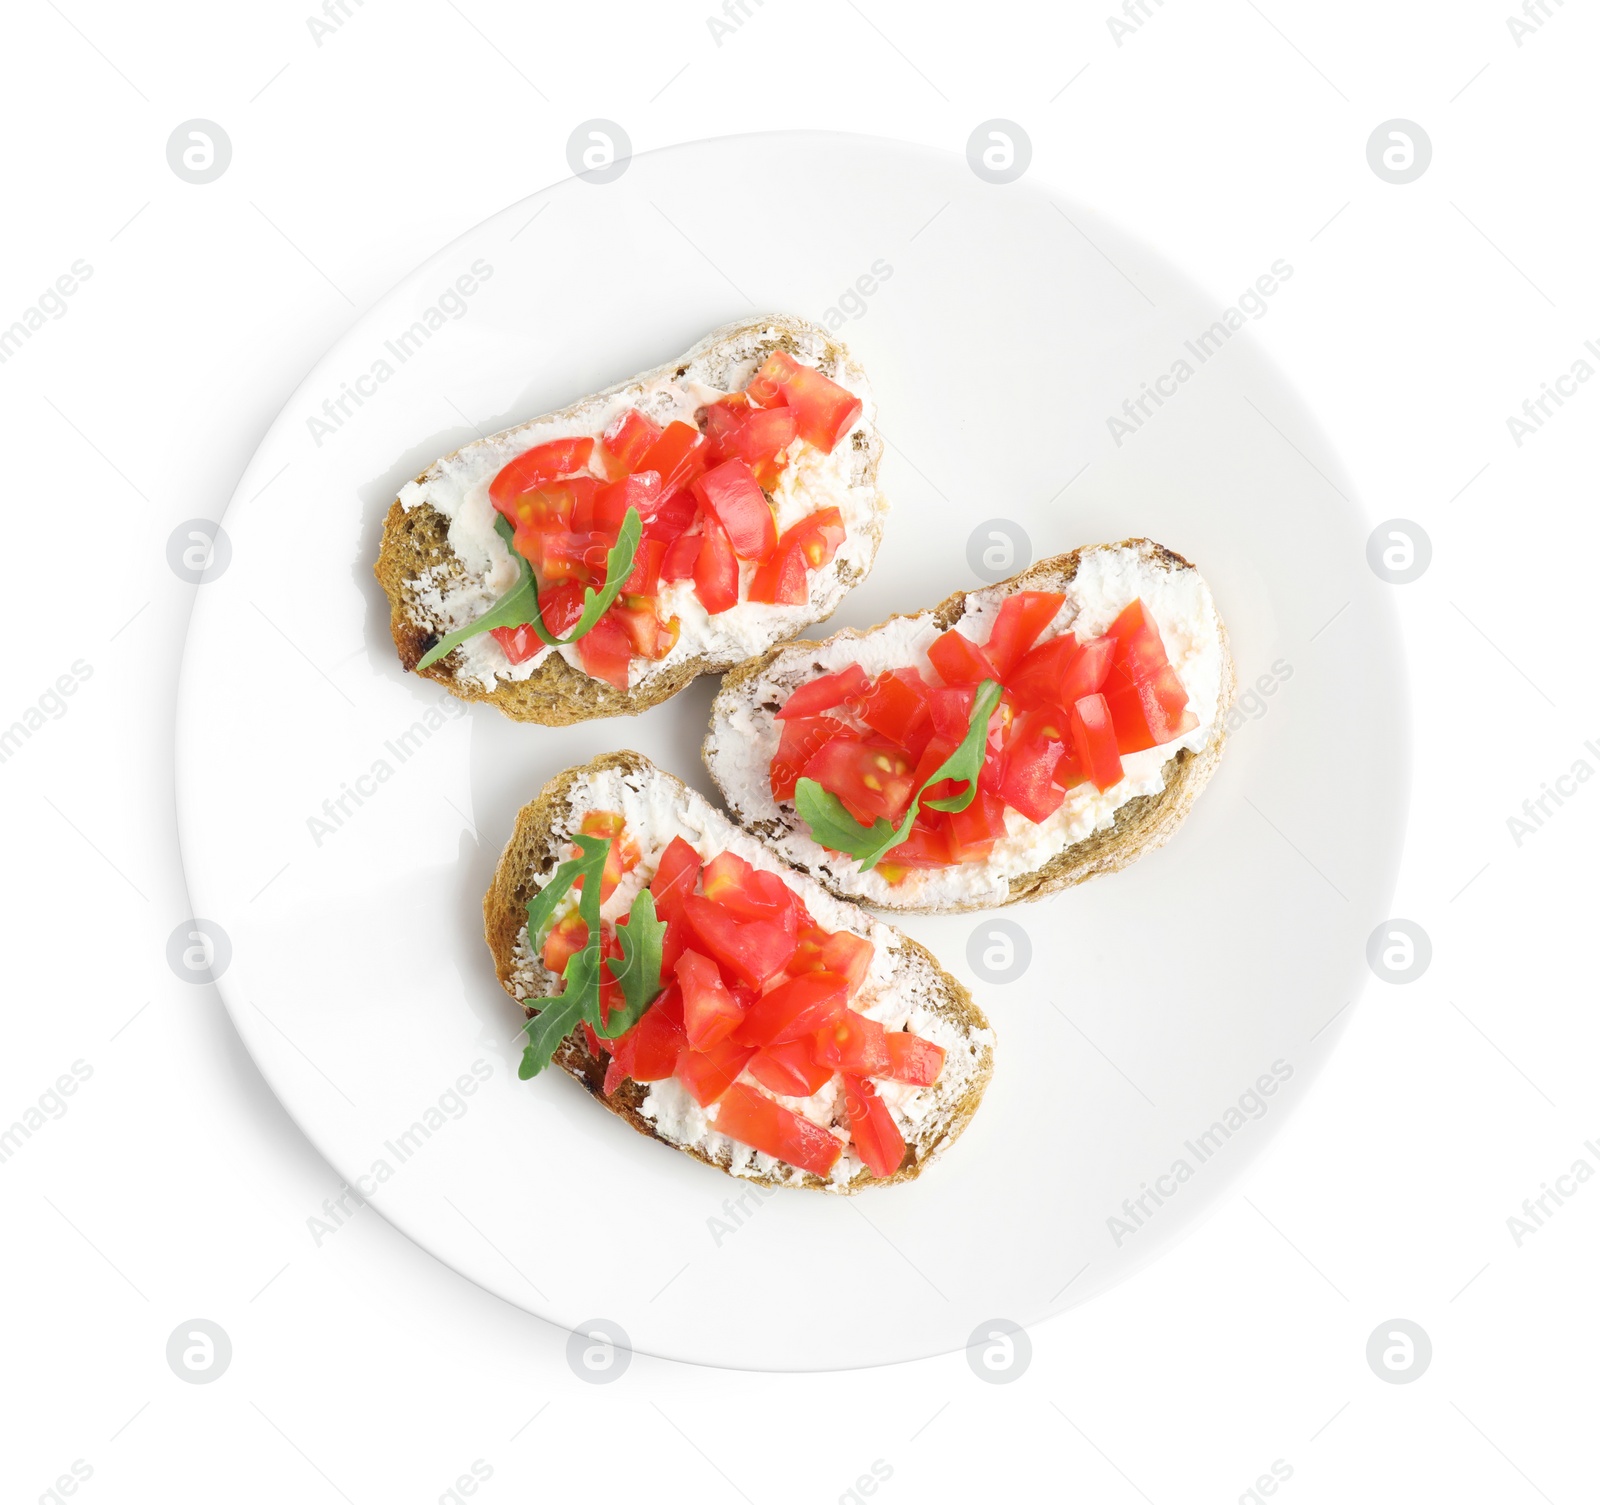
(580, 998)
(639, 971)
(519, 607)
(834, 827)
(545, 1032)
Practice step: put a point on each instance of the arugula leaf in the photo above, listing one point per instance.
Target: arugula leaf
(542, 906)
(640, 969)
(545, 1032)
(834, 827)
(519, 607)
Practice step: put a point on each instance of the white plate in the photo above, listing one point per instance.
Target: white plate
(1008, 326)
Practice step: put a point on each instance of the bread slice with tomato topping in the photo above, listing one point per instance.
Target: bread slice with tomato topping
(751, 465)
(796, 1041)
(1114, 678)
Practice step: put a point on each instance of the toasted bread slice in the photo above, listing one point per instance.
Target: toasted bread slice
(906, 986)
(442, 565)
(1092, 833)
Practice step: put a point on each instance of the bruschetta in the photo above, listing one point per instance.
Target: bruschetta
(720, 1002)
(999, 746)
(594, 561)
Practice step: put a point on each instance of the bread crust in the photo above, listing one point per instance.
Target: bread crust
(537, 844)
(416, 539)
(1139, 826)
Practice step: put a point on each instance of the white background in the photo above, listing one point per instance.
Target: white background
(1420, 318)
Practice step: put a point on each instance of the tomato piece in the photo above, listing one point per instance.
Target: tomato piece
(1022, 617)
(797, 741)
(1140, 652)
(710, 1011)
(974, 830)
(641, 492)
(716, 569)
(637, 616)
(730, 493)
(854, 1043)
(565, 938)
(520, 643)
(622, 857)
(896, 705)
(1095, 740)
(677, 872)
(850, 684)
(604, 651)
(849, 956)
(644, 579)
(928, 845)
(913, 1059)
(960, 661)
(681, 557)
(678, 456)
(755, 435)
(823, 410)
(751, 951)
(818, 536)
(789, 1068)
(560, 556)
(710, 1072)
(1150, 713)
(749, 893)
(878, 1141)
(794, 1009)
(781, 581)
(934, 754)
(1028, 782)
(624, 442)
(872, 781)
(533, 467)
(951, 710)
(673, 517)
(649, 1051)
(560, 608)
(753, 1119)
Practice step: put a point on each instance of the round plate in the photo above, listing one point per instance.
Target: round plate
(340, 819)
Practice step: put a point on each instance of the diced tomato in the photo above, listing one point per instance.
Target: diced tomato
(560, 608)
(933, 756)
(1036, 678)
(681, 557)
(848, 956)
(913, 1059)
(1022, 617)
(823, 409)
(974, 830)
(604, 651)
(753, 1119)
(1140, 652)
(678, 456)
(896, 705)
(676, 875)
(1028, 782)
(751, 952)
(854, 1043)
(710, 1012)
(781, 581)
(790, 1068)
(1150, 713)
(710, 1072)
(960, 661)
(625, 441)
(560, 556)
(878, 1141)
(533, 467)
(547, 506)
(622, 857)
(520, 643)
(797, 741)
(823, 694)
(749, 893)
(1069, 771)
(756, 436)
(673, 518)
(644, 579)
(716, 569)
(794, 1009)
(818, 536)
(928, 845)
(637, 616)
(563, 940)
(730, 493)
(641, 492)
(1087, 670)
(872, 781)
(951, 710)
(1096, 741)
